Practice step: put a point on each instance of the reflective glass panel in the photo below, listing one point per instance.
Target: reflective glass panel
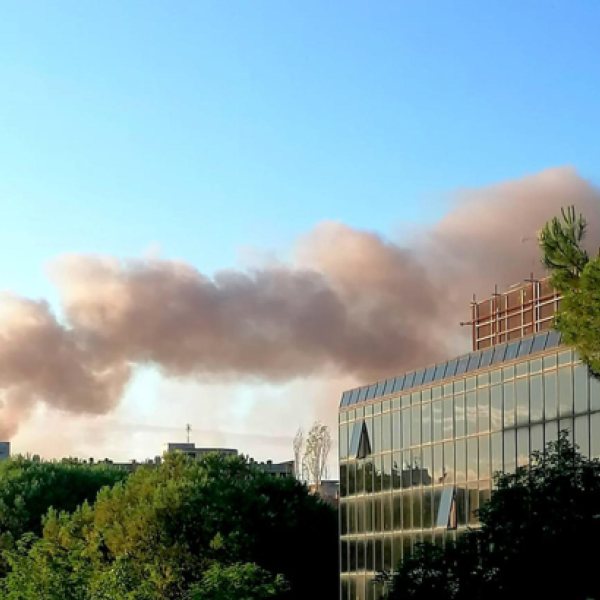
(345, 398)
(509, 404)
(417, 513)
(484, 457)
(508, 373)
(448, 418)
(523, 446)
(407, 510)
(522, 368)
(445, 506)
(377, 525)
(486, 358)
(415, 463)
(387, 554)
(418, 380)
(594, 393)
(496, 408)
(510, 451)
(536, 398)
(451, 368)
(398, 384)
(473, 503)
(581, 391)
(462, 365)
(565, 391)
(511, 351)
(429, 373)
(397, 470)
(439, 372)
(499, 352)
(472, 458)
(539, 342)
(389, 386)
(497, 456)
(565, 358)
(595, 435)
(522, 390)
(551, 431)
(386, 433)
(406, 428)
(550, 396)
(397, 511)
(427, 464)
(371, 391)
(496, 376)
(355, 439)
(427, 508)
(471, 413)
(483, 410)
(461, 461)
(537, 438)
(426, 422)
(525, 347)
(459, 415)
(582, 434)
(362, 395)
(415, 434)
(376, 439)
(535, 366)
(408, 380)
(397, 429)
(437, 419)
(553, 339)
(438, 464)
(386, 502)
(474, 361)
(462, 517)
(483, 379)
(343, 441)
(449, 462)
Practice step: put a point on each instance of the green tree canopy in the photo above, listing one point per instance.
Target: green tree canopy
(536, 538)
(577, 277)
(238, 582)
(157, 534)
(28, 489)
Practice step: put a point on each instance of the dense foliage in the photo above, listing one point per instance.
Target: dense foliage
(577, 277)
(29, 488)
(238, 582)
(536, 538)
(184, 530)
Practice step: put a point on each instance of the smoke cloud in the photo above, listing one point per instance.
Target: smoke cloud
(350, 303)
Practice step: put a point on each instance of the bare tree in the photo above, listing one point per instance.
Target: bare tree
(298, 445)
(318, 446)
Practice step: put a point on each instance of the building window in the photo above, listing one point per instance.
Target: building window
(446, 517)
(360, 444)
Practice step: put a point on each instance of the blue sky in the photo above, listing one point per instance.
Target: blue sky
(206, 127)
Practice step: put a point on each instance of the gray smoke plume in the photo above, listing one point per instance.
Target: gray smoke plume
(350, 303)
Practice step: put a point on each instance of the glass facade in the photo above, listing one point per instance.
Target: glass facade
(415, 465)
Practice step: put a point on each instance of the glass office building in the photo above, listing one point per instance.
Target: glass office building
(417, 452)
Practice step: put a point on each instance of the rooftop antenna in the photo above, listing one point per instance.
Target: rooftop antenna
(188, 430)
(532, 279)
(473, 304)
